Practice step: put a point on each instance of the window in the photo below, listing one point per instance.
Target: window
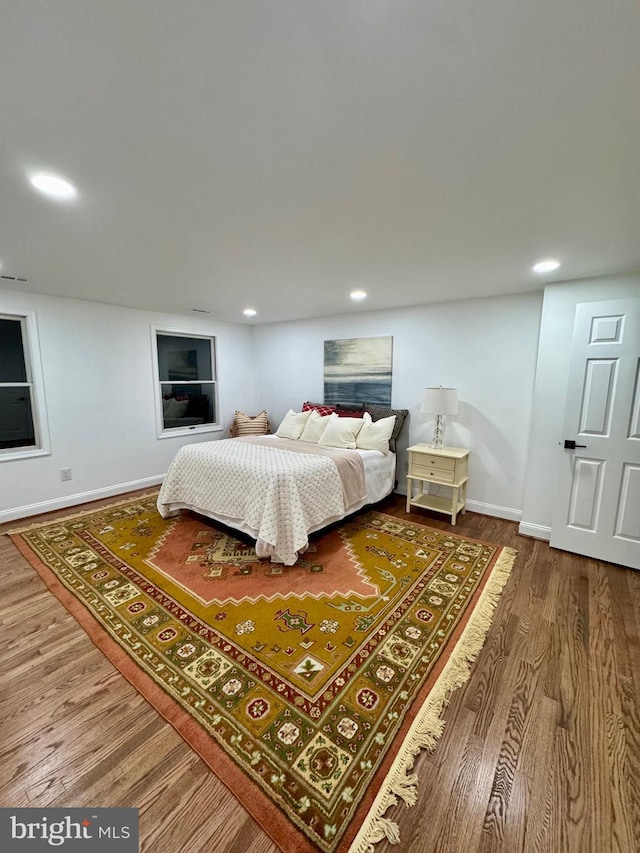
(22, 420)
(187, 388)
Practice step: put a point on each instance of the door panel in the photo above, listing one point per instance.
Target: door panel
(628, 518)
(634, 425)
(598, 388)
(586, 493)
(597, 506)
(606, 330)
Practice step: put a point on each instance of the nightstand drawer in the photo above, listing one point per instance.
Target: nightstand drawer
(429, 460)
(434, 461)
(430, 472)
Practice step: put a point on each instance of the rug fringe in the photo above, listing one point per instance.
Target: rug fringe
(428, 725)
(65, 518)
(407, 789)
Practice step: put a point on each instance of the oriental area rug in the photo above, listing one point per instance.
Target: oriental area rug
(308, 689)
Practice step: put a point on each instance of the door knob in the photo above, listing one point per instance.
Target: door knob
(569, 444)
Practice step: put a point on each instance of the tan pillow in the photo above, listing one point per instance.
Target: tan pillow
(248, 425)
(315, 426)
(341, 432)
(292, 424)
(375, 435)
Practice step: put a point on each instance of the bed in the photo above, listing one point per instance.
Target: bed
(277, 490)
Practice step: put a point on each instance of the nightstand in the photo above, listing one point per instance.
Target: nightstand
(446, 466)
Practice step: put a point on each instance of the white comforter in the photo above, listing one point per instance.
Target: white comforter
(278, 494)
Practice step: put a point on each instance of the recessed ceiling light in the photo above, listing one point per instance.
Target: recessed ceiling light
(249, 312)
(548, 265)
(52, 185)
(358, 294)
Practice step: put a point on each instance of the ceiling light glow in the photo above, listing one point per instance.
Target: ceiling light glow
(548, 265)
(249, 312)
(358, 294)
(53, 185)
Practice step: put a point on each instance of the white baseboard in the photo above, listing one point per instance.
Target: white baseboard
(80, 498)
(507, 512)
(537, 531)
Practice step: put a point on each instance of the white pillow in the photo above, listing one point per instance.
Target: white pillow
(292, 424)
(375, 435)
(341, 432)
(315, 426)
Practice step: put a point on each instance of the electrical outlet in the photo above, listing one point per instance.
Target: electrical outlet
(65, 474)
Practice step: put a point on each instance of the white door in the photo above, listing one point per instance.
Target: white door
(597, 507)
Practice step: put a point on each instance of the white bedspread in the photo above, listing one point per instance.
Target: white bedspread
(278, 494)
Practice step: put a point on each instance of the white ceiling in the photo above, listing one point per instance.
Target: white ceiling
(279, 153)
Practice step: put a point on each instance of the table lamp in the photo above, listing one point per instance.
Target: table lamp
(439, 401)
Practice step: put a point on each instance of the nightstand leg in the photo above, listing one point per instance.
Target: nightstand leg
(408, 495)
(454, 506)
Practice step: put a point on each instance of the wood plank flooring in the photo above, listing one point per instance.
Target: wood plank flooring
(540, 752)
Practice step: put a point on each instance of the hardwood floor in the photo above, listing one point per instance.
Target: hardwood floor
(541, 748)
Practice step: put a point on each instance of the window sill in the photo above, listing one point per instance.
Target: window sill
(179, 432)
(11, 455)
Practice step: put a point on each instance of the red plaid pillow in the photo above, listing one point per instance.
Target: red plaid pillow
(320, 408)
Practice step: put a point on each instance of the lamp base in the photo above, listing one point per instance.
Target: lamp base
(437, 433)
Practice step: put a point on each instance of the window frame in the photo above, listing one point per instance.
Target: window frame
(35, 381)
(194, 429)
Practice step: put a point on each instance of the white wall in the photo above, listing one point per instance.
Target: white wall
(552, 373)
(486, 348)
(97, 366)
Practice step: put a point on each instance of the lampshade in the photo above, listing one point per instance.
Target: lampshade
(440, 401)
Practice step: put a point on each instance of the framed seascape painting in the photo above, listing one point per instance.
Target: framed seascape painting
(358, 370)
